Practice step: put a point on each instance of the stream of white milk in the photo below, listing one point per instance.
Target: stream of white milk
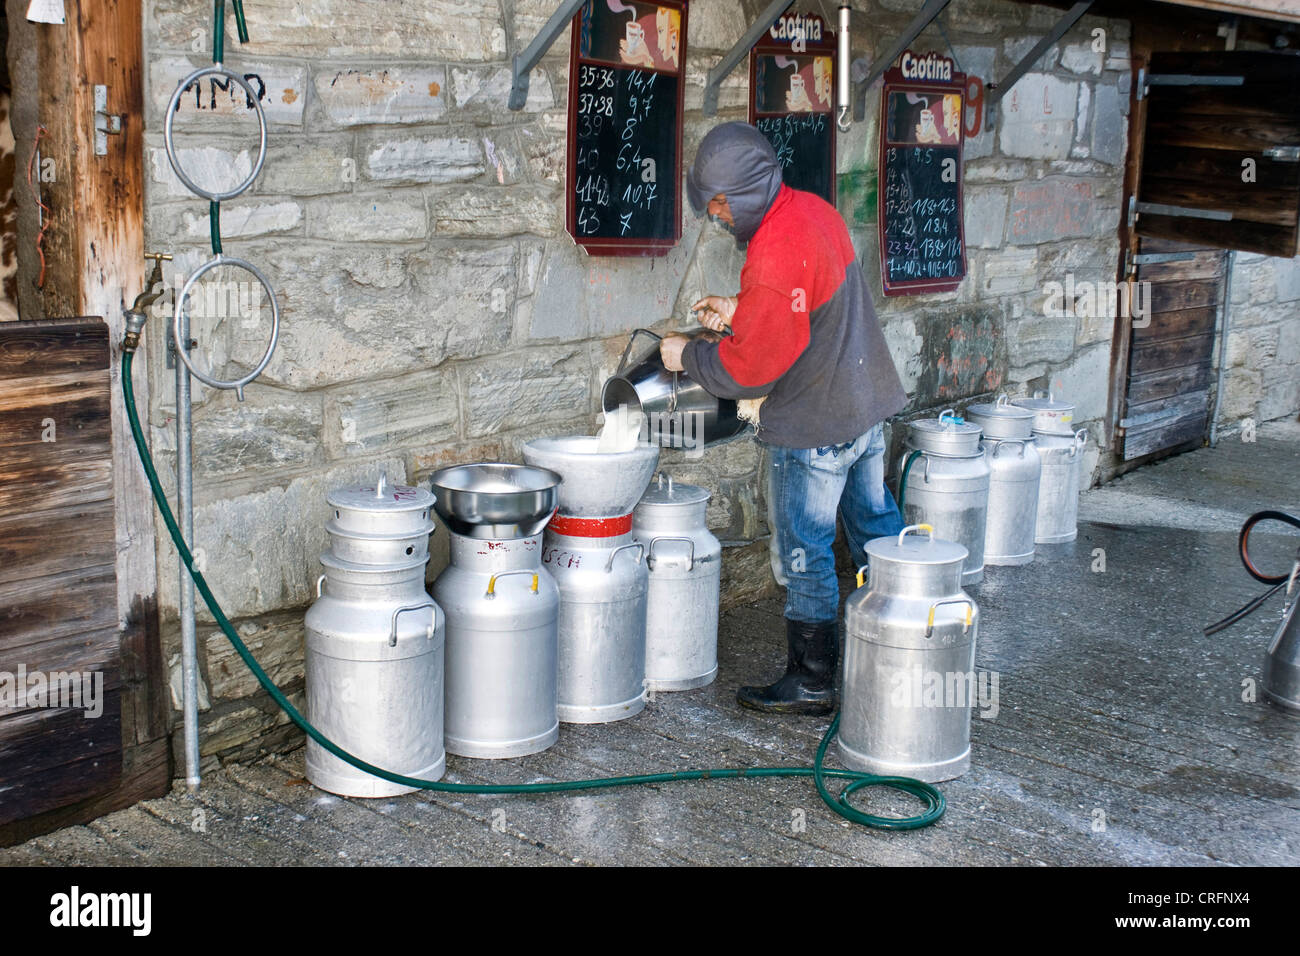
(621, 431)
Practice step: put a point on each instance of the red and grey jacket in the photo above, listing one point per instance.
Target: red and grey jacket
(805, 333)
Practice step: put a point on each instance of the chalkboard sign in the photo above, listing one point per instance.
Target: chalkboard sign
(803, 141)
(922, 241)
(623, 179)
(792, 94)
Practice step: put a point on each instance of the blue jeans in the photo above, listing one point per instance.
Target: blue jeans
(806, 488)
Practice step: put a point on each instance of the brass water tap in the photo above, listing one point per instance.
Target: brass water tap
(136, 315)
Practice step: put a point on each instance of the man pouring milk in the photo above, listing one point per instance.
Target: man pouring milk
(805, 339)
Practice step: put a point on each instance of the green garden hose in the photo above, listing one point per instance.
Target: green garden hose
(929, 795)
(902, 481)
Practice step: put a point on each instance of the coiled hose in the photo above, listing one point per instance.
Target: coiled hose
(929, 795)
(1276, 581)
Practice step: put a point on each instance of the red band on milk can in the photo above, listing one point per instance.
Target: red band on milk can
(591, 527)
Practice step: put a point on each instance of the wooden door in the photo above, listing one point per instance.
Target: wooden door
(1214, 164)
(1171, 347)
(1221, 150)
(60, 669)
(94, 597)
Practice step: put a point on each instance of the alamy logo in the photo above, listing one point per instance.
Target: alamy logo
(1098, 300)
(76, 909)
(916, 687)
(74, 690)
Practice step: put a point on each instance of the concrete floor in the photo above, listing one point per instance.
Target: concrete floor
(1121, 735)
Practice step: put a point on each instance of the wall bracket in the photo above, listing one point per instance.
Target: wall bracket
(523, 63)
(994, 92)
(106, 124)
(713, 84)
(924, 17)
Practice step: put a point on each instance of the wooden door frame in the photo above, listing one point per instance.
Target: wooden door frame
(94, 249)
(1121, 338)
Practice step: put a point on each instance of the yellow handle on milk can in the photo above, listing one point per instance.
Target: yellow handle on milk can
(492, 581)
(929, 528)
(970, 612)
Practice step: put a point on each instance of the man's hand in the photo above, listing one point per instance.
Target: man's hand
(716, 311)
(670, 350)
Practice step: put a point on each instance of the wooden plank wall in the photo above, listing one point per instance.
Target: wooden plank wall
(58, 586)
(1169, 363)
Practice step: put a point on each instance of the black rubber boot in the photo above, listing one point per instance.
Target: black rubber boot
(808, 686)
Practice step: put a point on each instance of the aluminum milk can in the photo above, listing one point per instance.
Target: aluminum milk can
(1282, 661)
(685, 565)
(601, 573)
(948, 485)
(375, 644)
(909, 661)
(1014, 472)
(1051, 414)
(501, 647)
(603, 582)
(679, 412)
(1058, 488)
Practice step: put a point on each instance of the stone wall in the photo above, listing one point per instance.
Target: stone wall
(1261, 379)
(435, 311)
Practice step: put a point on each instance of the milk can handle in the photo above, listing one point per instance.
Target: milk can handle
(690, 561)
(1003, 399)
(1041, 394)
(914, 527)
(392, 634)
(627, 349)
(492, 581)
(970, 610)
(1010, 441)
(319, 582)
(861, 574)
(609, 565)
(1080, 441)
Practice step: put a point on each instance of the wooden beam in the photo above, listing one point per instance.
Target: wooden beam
(104, 41)
(1284, 10)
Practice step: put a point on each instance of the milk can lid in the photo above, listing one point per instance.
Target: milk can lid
(664, 491)
(382, 496)
(944, 426)
(1041, 402)
(916, 548)
(999, 409)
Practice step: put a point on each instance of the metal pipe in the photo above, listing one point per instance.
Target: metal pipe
(843, 89)
(1223, 345)
(185, 495)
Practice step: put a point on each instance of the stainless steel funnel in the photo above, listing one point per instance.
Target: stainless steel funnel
(596, 484)
(495, 500)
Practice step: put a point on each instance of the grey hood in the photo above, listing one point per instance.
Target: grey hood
(737, 160)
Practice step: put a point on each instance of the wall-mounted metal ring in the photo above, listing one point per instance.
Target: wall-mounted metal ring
(215, 69)
(182, 346)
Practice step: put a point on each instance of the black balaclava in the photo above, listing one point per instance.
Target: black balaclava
(737, 160)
